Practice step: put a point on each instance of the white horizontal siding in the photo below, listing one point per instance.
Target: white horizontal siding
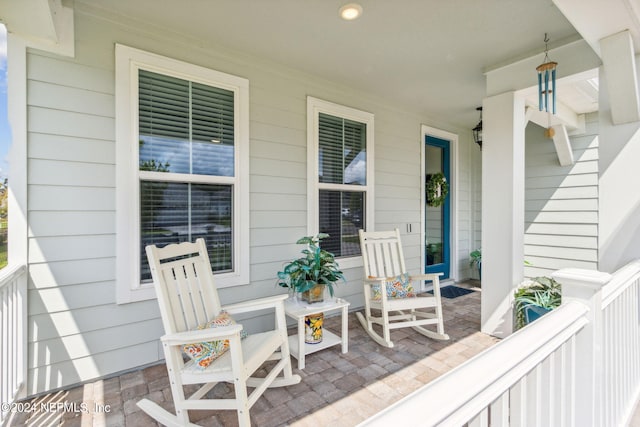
(562, 193)
(566, 205)
(67, 173)
(71, 74)
(55, 97)
(91, 343)
(80, 321)
(70, 198)
(47, 377)
(590, 242)
(56, 147)
(76, 331)
(67, 123)
(65, 248)
(62, 273)
(561, 203)
(71, 297)
(563, 229)
(68, 223)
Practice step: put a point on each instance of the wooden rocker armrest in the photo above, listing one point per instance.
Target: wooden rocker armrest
(255, 305)
(375, 280)
(209, 334)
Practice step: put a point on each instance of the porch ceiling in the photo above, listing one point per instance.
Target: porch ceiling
(427, 55)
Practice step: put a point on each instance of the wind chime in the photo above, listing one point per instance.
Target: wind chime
(547, 75)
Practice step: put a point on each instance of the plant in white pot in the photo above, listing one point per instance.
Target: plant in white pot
(309, 274)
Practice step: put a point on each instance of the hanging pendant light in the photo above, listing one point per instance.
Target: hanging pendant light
(477, 131)
(546, 75)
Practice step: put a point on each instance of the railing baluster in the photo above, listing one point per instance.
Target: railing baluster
(572, 382)
(511, 368)
(500, 411)
(13, 283)
(518, 403)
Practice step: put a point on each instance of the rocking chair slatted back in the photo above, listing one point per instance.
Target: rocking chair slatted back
(382, 253)
(187, 298)
(398, 307)
(187, 293)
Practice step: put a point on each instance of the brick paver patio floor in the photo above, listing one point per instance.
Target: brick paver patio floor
(336, 389)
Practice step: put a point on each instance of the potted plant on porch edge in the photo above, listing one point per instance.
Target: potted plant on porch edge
(534, 298)
(309, 274)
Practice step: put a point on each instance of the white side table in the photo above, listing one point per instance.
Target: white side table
(298, 310)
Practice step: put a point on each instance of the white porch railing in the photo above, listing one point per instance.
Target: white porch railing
(579, 365)
(621, 345)
(13, 338)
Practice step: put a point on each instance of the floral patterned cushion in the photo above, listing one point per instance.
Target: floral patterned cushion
(397, 287)
(203, 353)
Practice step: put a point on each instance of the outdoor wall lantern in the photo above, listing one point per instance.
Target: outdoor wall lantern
(546, 72)
(477, 131)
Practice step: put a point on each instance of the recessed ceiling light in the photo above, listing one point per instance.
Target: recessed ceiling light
(350, 11)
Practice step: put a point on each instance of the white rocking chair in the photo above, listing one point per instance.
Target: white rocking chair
(188, 298)
(383, 267)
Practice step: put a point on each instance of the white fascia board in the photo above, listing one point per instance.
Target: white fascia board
(44, 24)
(573, 58)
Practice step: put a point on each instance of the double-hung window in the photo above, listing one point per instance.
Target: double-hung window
(182, 142)
(340, 164)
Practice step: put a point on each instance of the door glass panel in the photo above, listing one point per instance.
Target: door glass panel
(434, 223)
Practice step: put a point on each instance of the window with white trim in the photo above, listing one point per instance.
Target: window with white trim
(340, 164)
(181, 166)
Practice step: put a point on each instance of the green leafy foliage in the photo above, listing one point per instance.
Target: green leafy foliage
(437, 189)
(544, 292)
(316, 266)
(475, 258)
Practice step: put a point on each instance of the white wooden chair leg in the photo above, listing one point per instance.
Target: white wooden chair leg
(285, 353)
(242, 400)
(386, 330)
(174, 358)
(439, 315)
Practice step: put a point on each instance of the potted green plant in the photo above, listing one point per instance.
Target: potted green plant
(475, 258)
(534, 298)
(309, 274)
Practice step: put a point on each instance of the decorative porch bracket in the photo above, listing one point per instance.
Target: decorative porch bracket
(561, 140)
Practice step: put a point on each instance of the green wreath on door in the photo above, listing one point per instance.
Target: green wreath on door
(437, 189)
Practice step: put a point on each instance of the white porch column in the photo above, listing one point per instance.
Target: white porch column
(502, 209)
